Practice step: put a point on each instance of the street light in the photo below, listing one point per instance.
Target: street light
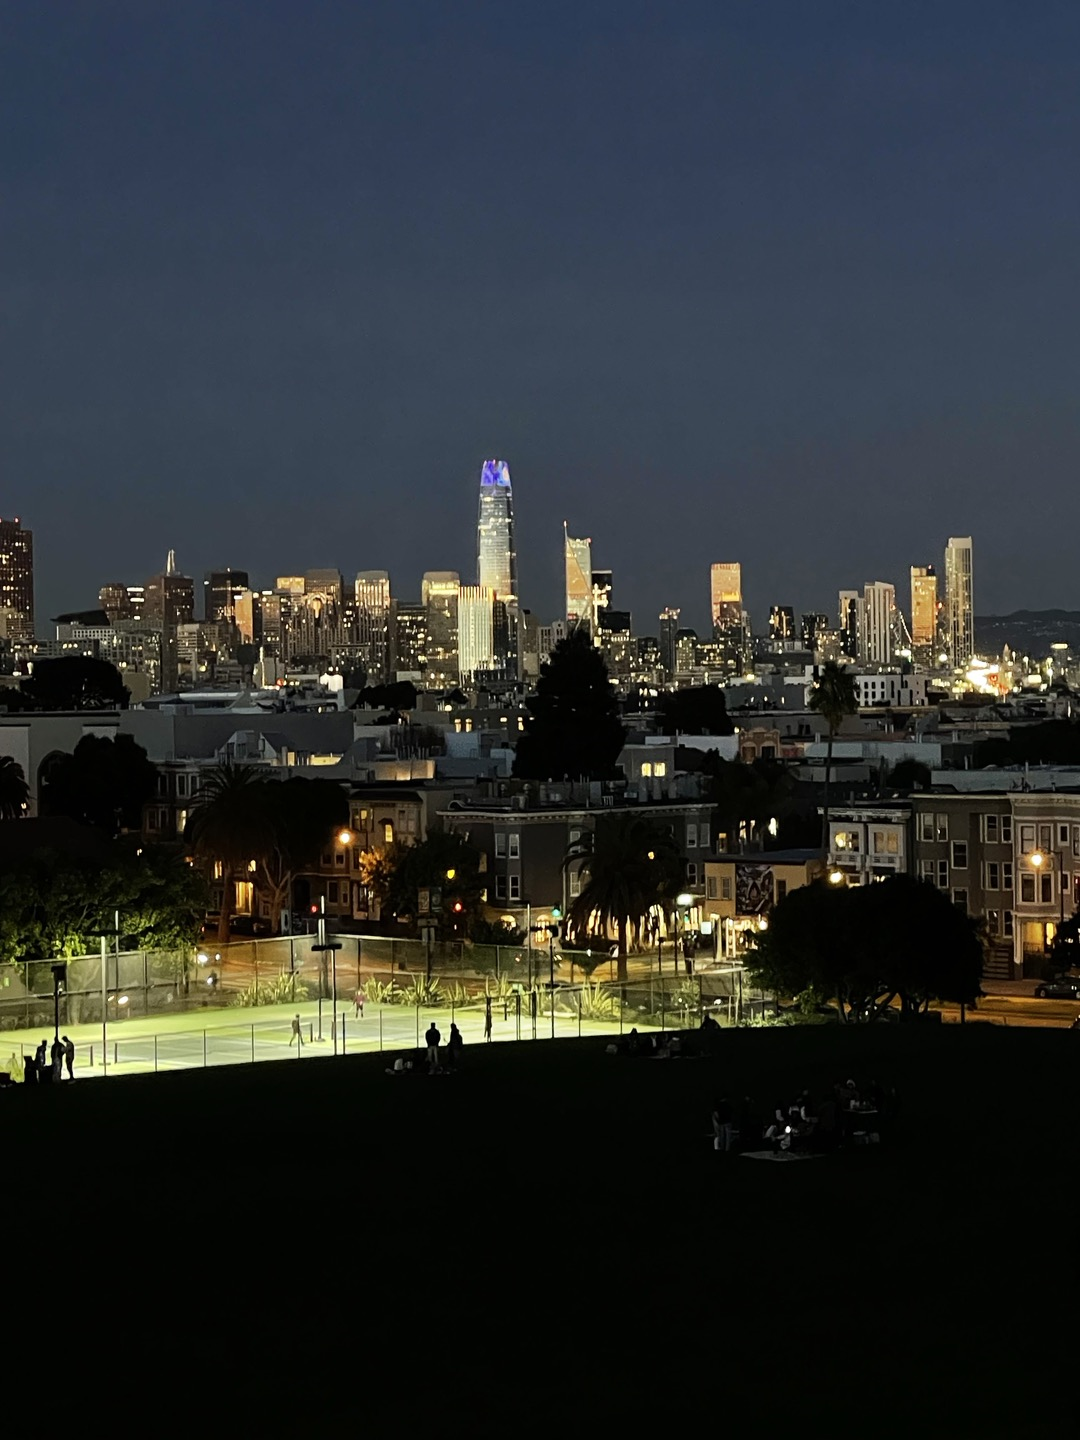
(344, 837)
(836, 877)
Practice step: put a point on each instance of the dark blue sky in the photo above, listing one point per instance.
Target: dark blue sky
(788, 283)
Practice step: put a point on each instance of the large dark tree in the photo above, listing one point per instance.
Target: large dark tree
(834, 696)
(301, 818)
(14, 791)
(699, 710)
(76, 682)
(867, 946)
(103, 782)
(227, 827)
(573, 729)
(748, 797)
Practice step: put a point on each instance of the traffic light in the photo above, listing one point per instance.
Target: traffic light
(458, 907)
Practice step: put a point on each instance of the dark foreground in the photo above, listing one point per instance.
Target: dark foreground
(550, 1233)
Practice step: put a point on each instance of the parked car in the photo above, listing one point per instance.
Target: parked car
(1065, 987)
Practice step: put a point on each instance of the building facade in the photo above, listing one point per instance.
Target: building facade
(496, 567)
(17, 580)
(959, 601)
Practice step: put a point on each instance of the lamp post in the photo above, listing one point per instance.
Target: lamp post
(682, 904)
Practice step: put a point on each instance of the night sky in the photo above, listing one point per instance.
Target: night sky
(787, 283)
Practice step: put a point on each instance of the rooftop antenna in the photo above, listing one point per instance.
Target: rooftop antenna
(170, 563)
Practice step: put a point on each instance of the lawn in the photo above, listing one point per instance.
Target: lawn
(552, 1225)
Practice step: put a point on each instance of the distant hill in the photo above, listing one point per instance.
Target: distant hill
(1030, 632)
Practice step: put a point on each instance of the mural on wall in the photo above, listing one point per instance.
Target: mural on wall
(753, 887)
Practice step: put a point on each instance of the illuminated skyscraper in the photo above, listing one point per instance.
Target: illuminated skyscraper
(781, 624)
(924, 606)
(578, 560)
(814, 626)
(220, 588)
(169, 603)
(17, 579)
(476, 637)
(373, 623)
(959, 600)
(851, 623)
(726, 596)
(496, 557)
(669, 629)
(439, 593)
(879, 607)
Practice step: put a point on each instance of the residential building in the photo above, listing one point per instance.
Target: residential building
(410, 641)
(870, 841)
(851, 623)
(814, 626)
(740, 890)
(781, 625)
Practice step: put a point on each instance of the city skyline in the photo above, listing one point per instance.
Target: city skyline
(812, 308)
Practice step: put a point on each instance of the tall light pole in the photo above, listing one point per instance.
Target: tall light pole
(683, 903)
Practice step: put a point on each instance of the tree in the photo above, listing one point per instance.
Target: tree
(867, 946)
(573, 729)
(14, 791)
(632, 867)
(910, 775)
(444, 862)
(748, 797)
(76, 682)
(103, 782)
(301, 816)
(1065, 947)
(698, 710)
(834, 696)
(54, 906)
(227, 826)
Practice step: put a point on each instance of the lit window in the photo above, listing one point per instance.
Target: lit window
(388, 832)
(646, 769)
(660, 768)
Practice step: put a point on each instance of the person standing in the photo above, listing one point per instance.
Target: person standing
(56, 1057)
(296, 1033)
(455, 1045)
(69, 1056)
(721, 1124)
(41, 1056)
(432, 1040)
(487, 1017)
(358, 1003)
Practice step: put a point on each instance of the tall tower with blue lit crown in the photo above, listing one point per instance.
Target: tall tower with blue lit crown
(496, 558)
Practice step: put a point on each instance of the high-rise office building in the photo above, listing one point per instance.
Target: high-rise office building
(169, 603)
(327, 585)
(439, 592)
(410, 640)
(373, 617)
(496, 568)
(476, 637)
(851, 623)
(879, 612)
(959, 601)
(577, 556)
(781, 624)
(17, 579)
(122, 602)
(219, 593)
(814, 624)
(669, 629)
(603, 585)
(730, 629)
(725, 593)
(924, 606)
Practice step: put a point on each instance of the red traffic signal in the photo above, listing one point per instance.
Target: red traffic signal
(458, 907)
(314, 909)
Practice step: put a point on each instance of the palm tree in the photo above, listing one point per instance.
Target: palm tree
(834, 697)
(14, 791)
(228, 825)
(630, 868)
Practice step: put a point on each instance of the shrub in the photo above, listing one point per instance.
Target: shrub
(278, 991)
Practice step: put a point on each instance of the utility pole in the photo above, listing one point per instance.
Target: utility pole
(324, 946)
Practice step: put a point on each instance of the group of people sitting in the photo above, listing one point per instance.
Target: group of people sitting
(808, 1122)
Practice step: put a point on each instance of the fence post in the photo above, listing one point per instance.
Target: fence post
(579, 1014)
(91, 1055)
(418, 1027)
(343, 1032)
(380, 1029)
(253, 1043)
(155, 1054)
(115, 1058)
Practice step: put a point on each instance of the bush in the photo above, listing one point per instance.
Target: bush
(281, 990)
